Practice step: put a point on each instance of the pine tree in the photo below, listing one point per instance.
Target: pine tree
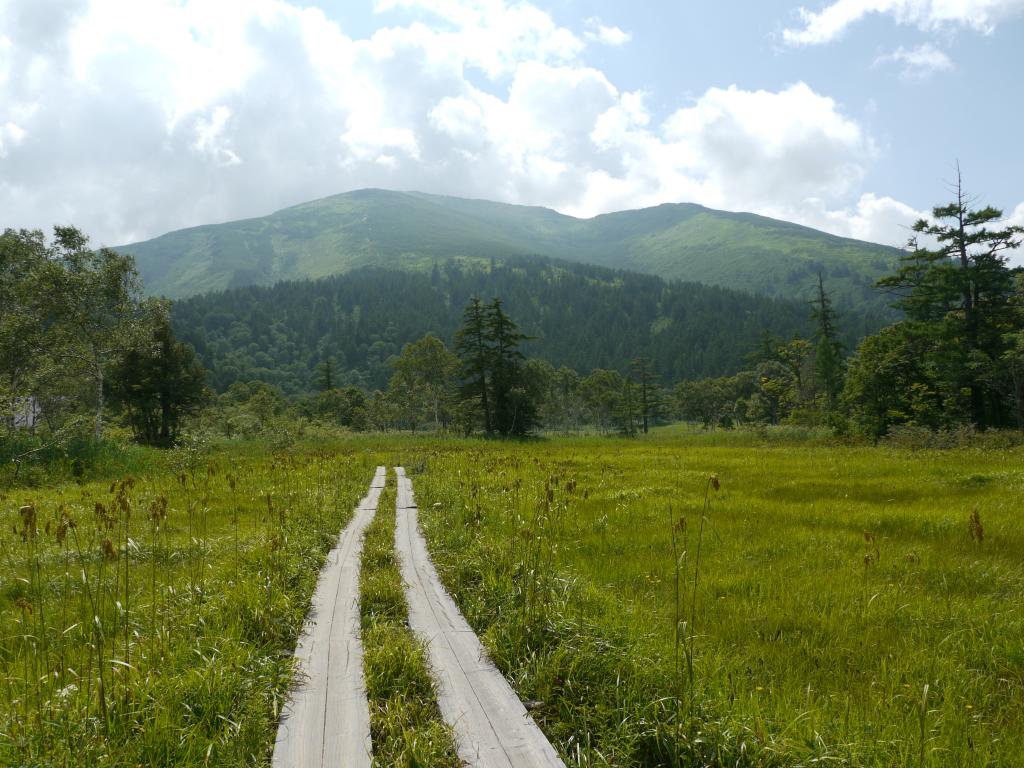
(473, 347)
(648, 389)
(327, 382)
(514, 410)
(828, 353)
(958, 297)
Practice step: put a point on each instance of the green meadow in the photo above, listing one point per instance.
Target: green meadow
(826, 604)
(150, 619)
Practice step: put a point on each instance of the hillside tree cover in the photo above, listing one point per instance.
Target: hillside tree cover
(581, 318)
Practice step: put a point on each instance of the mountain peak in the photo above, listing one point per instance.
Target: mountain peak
(414, 230)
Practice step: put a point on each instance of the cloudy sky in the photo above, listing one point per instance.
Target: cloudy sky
(129, 118)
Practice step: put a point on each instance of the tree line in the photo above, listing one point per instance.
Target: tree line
(955, 359)
(577, 316)
(81, 344)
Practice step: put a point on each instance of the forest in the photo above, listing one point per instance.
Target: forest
(577, 316)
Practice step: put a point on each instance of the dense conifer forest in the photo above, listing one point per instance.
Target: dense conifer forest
(578, 316)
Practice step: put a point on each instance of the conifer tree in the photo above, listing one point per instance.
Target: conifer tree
(514, 410)
(647, 386)
(828, 352)
(471, 344)
(957, 296)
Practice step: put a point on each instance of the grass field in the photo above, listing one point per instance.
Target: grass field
(844, 609)
(826, 605)
(151, 620)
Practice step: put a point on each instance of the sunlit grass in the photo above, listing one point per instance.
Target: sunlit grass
(151, 620)
(835, 584)
(406, 726)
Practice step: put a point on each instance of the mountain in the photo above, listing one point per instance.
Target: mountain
(413, 230)
(579, 316)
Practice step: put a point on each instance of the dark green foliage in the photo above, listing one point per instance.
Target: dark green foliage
(157, 385)
(495, 385)
(473, 346)
(515, 412)
(647, 388)
(829, 360)
(951, 361)
(326, 371)
(890, 382)
(579, 317)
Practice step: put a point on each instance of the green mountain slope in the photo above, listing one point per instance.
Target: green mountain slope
(415, 230)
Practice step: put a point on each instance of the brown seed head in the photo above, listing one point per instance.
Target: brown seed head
(714, 482)
(28, 522)
(974, 527)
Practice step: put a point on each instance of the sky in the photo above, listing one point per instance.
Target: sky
(130, 118)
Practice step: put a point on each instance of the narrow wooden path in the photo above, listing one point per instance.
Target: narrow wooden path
(326, 721)
(492, 727)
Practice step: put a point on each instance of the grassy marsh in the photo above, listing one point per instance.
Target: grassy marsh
(151, 619)
(405, 724)
(836, 583)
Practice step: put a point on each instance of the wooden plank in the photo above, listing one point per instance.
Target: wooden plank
(326, 721)
(492, 727)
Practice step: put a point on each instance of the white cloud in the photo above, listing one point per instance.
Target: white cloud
(11, 134)
(495, 35)
(876, 219)
(210, 137)
(1017, 219)
(137, 117)
(917, 63)
(828, 24)
(600, 33)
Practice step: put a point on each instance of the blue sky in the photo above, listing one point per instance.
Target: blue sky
(134, 117)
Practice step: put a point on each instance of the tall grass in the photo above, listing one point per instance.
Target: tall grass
(834, 583)
(405, 725)
(151, 620)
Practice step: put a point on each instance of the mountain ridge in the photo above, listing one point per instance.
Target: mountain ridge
(414, 230)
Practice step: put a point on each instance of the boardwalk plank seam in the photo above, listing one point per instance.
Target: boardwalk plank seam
(326, 721)
(491, 725)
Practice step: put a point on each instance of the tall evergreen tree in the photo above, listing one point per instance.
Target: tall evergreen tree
(957, 295)
(514, 409)
(828, 352)
(327, 380)
(473, 347)
(646, 383)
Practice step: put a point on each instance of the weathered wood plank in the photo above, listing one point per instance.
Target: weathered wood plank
(326, 721)
(492, 727)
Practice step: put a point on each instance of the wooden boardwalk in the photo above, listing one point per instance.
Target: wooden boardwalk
(492, 727)
(326, 721)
